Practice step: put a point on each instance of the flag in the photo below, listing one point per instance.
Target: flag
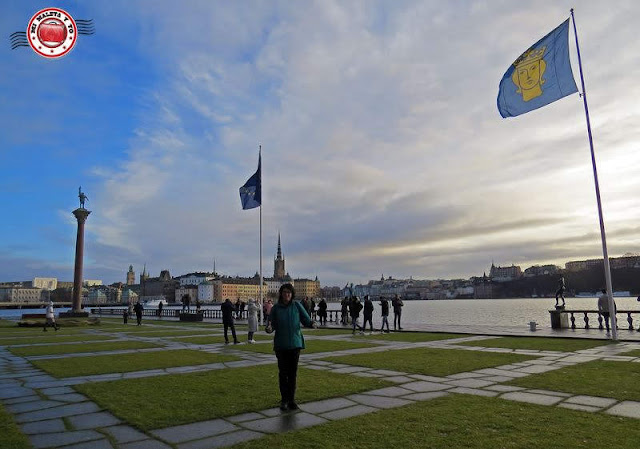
(251, 191)
(541, 75)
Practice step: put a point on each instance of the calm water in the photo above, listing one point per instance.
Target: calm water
(479, 312)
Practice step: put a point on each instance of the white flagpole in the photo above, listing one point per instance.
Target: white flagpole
(261, 294)
(607, 268)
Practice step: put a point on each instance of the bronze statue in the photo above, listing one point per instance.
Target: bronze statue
(82, 197)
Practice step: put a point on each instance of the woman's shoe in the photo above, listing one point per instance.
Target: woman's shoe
(293, 406)
(283, 406)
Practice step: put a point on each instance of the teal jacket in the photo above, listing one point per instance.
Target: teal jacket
(285, 321)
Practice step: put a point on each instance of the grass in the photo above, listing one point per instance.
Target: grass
(51, 337)
(619, 380)
(321, 332)
(158, 402)
(10, 435)
(27, 351)
(414, 337)
(463, 421)
(537, 343)
(312, 346)
(168, 333)
(634, 353)
(123, 363)
(428, 361)
(208, 340)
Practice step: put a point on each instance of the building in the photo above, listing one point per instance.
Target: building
(129, 296)
(278, 263)
(236, 288)
(307, 288)
(626, 261)
(22, 294)
(45, 283)
(164, 285)
(195, 278)
(131, 276)
(91, 282)
(543, 270)
(189, 289)
(505, 274)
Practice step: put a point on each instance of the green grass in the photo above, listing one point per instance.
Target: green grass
(168, 333)
(123, 363)
(537, 343)
(157, 402)
(10, 435)
(620, 380)
(27, 351)
(321, 332)
(413, 337)
(634, 353)
(428, 361)
(51, 337)
(208, 340)
(312, 346)
(463, 421)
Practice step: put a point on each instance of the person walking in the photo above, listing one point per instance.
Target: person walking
(384, 310)
(286, 317)
(160, 306)
(125, 316)
(228, 310)
(252, 319)
(397, 312)
(603, 308)
(322, 312)
(138, 308)
(368, 313)
(356, 307)
(50, 317)
(560, 291)
(344, 311)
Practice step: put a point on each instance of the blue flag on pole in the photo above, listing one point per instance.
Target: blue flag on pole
(541, 75)
(251, 191)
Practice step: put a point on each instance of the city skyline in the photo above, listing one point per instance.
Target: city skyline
(382, 147)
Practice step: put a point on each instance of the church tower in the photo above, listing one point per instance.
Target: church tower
(278, 263)
(131, 276)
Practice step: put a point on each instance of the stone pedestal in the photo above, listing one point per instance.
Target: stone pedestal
(559, 319)
(81, 215)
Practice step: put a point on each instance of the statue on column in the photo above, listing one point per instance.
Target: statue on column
(82, 197)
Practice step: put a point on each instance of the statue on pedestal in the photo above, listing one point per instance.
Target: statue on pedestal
(82, 197)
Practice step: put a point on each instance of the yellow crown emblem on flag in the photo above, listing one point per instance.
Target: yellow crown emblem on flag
(531, 55)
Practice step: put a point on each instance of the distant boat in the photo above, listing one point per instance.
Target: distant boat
(153, 302)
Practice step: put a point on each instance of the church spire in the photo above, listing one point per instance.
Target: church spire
(279, 255)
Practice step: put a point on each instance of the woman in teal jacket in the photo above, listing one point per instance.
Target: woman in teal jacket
(286, 317)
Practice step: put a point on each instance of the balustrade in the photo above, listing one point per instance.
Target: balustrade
(588, 314)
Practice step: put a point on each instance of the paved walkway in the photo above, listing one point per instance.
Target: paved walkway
(53, 415)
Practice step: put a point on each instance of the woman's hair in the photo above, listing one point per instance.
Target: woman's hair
(284, 287)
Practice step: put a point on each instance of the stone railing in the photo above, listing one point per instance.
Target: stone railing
(560, 319)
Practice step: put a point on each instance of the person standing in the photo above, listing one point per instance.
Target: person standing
(368, 313)
(397, 312)
(286, 317)
(50, 317)
(560, 291)
(125, 316)
(322, 312)
(228, 310)
(267, 311)
(138, 308)
(384, 310)
(603, 308)
(356, 307)
(160, 306)
(252, 319)
(344, 311)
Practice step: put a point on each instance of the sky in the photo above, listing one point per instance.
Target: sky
(383, 152)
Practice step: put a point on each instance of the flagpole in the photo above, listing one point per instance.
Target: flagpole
(261, 294)
(607, 268)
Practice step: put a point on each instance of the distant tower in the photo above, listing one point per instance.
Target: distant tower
(278, 263)
(144, 275)
(131, 276)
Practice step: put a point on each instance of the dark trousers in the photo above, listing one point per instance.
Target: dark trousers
(287, 373)
(233, 332)
(139, 318)
(396, 319)
(368, 318)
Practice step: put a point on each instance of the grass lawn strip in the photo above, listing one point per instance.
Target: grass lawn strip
(312, 346)
(27, 351)
(124, 363)
(538, 343)
(431, 362)
(463, 421)
(413, 337)
(10, 435)
(619, 380)
(323, 332)
(52, 337)
(208, 340)
(157, 402)
(633, 353)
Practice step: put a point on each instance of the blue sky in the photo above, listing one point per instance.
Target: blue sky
(383, 150)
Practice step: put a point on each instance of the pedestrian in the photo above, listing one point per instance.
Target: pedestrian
(237, 309)
(242, 306)
(368, 313)
(50, 318)
(603, 308)
(286, 317)
(138, 308)
(252, 319)
(344, 311)
(227, 321)
(312, 309)
(125, 316)
(354, 311)
(322, 312)
(397, 312)
(384, 310)
(560, 291)
(160, 306)
(267, 312)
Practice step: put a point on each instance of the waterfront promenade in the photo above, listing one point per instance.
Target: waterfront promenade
(72, 389)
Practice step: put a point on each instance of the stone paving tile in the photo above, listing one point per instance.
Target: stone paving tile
(57, 383)
(348, 412)
(461, 376)
(284, 422)
(630, 409)
(550, 393)
(104, 377)
(474, 391)
(540, 399)
(93, 420)
(389, 391)
(338, 365)
(500, 372)
(425, 396)
(578, 359)
(318, 368)
(423, 386)
(398, 379)
(58, 390)
(428, 378)
(71, 397)
(15, 392)
(145, 444)
(98, 444)
(584, 408)
(245, 417)
(271, 412)
(497, 379)
(537, 369)
(593, 401)
(326, 405)
(385, 372)
(20, 400)
(224, 440)
(187, 432)
(366, 374)
(378, 401)
(320, 362)
(125, 434)
(351, 369)
(44, 440)
(30, 406)
(49, 426)
(470, 383)
(148, 373)
(541, 362)
(58, 412)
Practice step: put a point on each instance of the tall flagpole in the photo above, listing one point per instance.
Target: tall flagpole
(261, 294)
(607, 268)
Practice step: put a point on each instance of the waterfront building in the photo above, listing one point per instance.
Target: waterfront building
(189, 289)
(131, 276)
(91, 282)
(307, 287)
(237, 288)
(195, 278)
(505, 274)
(626, 261)
(164, 286)
(205, 291)
(22, 294)
(129, 296)
(45, 283)
(543, 270)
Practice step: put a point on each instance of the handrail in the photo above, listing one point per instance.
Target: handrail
(586, 312)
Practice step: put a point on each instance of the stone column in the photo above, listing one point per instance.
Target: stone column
(81, 215)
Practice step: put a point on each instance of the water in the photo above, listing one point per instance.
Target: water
(476, 312)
